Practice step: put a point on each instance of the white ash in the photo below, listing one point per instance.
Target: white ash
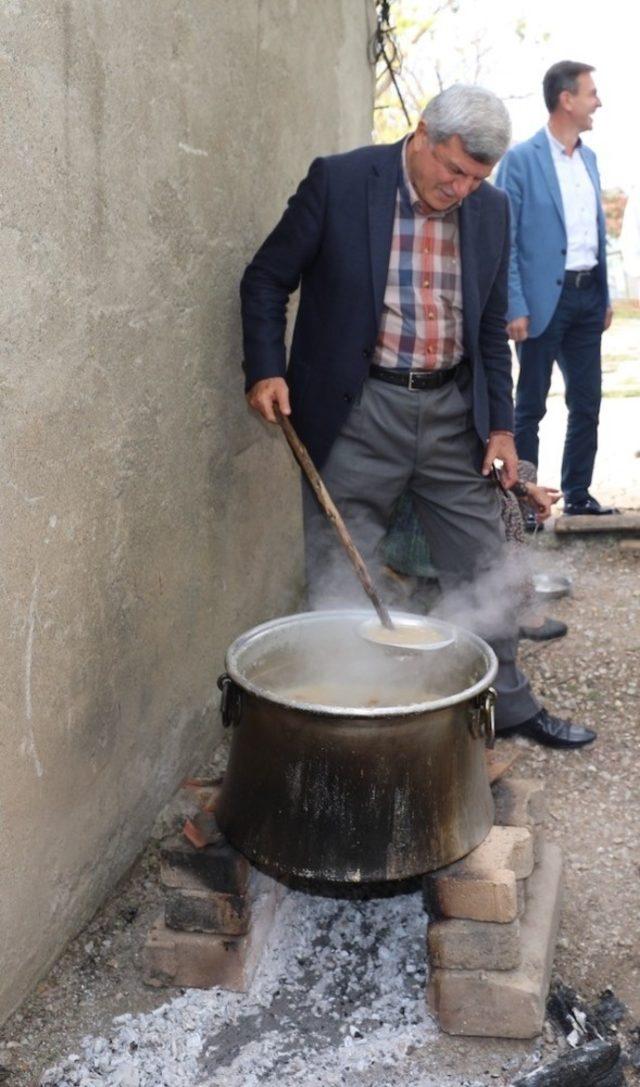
(338, 1000)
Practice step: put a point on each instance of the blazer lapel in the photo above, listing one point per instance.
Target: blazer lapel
(590, 167)
(381, 194)
(545, 162)
(468, 219)
(592, 170)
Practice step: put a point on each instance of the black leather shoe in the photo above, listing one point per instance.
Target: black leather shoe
(553, 731)
(551, 628)
(530, 521)
(589, 506)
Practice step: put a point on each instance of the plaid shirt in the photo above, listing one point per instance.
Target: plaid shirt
(421, 325)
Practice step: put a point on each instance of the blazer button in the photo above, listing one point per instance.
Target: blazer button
(367, 352)
(347, 398)
(559, 282)
(564, 252)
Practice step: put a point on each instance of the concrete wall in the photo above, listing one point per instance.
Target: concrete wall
(145, 518)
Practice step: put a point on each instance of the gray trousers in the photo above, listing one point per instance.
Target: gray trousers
(397, 440)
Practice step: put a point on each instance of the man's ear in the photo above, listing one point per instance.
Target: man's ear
(566, 100)
(421, 130)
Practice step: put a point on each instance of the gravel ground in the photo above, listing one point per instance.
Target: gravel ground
(339, 998)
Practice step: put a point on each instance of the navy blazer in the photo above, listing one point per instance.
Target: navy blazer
(334, 239)
(538, 231)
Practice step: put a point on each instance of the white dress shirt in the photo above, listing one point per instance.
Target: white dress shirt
(579, 205)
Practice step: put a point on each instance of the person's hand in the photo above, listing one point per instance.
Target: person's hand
(608, 318)
(542, 499)
(518, 329)
(269, 392)
(501, 446)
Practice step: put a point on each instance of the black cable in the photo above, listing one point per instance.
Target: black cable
(382, 39)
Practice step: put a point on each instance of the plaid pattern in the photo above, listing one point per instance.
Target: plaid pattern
(421, 325)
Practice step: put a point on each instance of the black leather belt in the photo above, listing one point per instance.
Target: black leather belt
(579, 279)
(417, 380)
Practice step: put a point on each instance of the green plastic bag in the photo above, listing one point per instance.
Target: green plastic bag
(405, 548)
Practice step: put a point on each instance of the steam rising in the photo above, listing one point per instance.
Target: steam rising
(485, 602)
(485, 599)
(320, 661)
(489, 605)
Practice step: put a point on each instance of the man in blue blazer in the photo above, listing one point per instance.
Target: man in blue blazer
(399, 376)
(558, 296)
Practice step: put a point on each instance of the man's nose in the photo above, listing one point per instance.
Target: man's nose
(462, 186)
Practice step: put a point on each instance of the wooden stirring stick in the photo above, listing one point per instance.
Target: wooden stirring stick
(301, 454)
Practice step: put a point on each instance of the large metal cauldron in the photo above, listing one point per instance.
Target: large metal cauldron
(351, 762)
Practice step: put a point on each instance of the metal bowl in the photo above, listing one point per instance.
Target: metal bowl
(552, 586)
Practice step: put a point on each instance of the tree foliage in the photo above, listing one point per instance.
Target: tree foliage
(428, 46)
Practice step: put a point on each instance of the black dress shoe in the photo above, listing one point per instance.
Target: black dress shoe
(588, 506)
(530, 521)
(553, 731)
(551, 628)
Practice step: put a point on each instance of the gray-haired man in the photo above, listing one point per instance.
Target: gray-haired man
(400, 371)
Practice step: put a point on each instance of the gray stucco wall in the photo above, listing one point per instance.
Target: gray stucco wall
(145, 518)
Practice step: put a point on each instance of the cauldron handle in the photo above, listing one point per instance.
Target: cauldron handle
(483, 717)
(230, 701)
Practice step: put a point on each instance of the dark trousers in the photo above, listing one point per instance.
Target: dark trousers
(572, 338)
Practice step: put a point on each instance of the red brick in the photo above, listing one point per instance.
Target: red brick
(201, 829)
(192, 910)
(216, 867)
(201, 960)
(204, 791)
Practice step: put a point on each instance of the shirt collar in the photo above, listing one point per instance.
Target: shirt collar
(557, 146)
(410, 197)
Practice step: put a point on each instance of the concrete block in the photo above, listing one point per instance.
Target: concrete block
(521, 892)
(483, 886)
(459, 944)
(494, 898)
(191, 910)
(538, 843)
(507, 1003)
(519, 802)
(504, 847)
(198, 960)
(215, 867)
(614, 522)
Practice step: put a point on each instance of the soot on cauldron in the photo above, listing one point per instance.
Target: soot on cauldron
(350, 763)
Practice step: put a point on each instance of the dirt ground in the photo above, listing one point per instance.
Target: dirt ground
(591, 675)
